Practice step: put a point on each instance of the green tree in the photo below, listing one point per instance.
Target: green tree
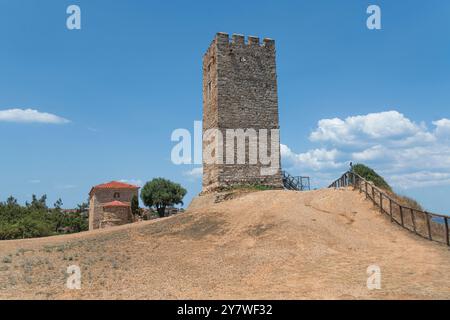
(83, 208)
(161, 193)
(37, 220)
(135, 210)
(38, 204)
(12, 202)
(58, 204)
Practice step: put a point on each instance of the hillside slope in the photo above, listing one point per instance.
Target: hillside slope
(269, 244)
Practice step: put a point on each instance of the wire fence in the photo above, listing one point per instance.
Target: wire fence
(432, 226)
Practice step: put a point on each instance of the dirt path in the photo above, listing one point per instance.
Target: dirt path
(271, 244)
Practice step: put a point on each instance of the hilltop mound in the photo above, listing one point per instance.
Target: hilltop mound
(268, 244)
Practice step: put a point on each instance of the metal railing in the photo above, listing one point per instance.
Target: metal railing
(432, 226)
(296, 183)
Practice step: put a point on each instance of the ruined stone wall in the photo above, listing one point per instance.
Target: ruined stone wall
(239, 92)
(115, 216)
(95, 213)
(102, 196)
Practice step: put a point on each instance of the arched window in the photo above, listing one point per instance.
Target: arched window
(116, 195)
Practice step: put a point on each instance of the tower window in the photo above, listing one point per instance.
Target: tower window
(209, 90)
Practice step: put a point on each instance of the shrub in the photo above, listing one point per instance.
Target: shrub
(370, 175)
(7, 259)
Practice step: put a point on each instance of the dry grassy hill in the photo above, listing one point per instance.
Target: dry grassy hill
(269, 244)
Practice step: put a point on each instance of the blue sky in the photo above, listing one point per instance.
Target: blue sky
(132, 75)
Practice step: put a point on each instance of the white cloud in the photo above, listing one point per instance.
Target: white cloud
(373, 153)
(442, 128)
(407, 153)
(34, 181)
(371, 128)
(195, 173)
(316, 159)
(30, 116)
(422, 178)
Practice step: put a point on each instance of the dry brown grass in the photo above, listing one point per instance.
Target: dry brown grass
(247, 245)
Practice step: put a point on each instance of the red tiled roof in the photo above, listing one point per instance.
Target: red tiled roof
(116, 204)
(114, 185)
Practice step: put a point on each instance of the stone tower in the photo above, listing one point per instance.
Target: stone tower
(240, 96)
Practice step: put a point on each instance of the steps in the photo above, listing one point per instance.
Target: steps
(296, 183)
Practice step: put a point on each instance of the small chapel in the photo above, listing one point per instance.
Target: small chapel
(110, 204)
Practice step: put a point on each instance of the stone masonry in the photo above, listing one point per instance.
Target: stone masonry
(110, 204)
(239, 92)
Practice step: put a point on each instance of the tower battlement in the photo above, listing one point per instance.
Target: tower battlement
(223, 38)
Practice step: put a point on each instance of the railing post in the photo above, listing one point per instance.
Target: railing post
(367, 191)
(390, 210)
(413, 219)
(428, 226)
(401, 215)
(381, 202)
(351, 179)
(446, 231)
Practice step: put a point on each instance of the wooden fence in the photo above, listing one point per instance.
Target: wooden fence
(432, 226)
